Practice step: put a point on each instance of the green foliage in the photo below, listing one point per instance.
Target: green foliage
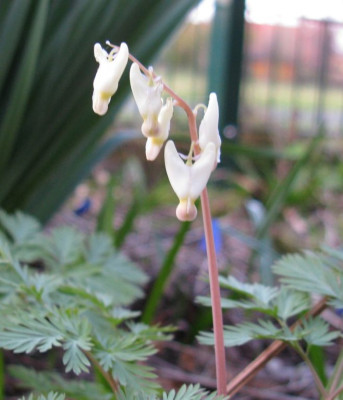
(50, 396)
(43, 382)
(164, 273)
(191, 392)
(69, 291)
(310, 272)
(49, 136)
(278, 303)
(313, 332)
(301, 275)
(278, 197)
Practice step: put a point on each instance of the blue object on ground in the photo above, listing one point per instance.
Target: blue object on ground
(84, 207)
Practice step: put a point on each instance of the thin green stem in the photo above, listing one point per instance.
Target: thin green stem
(335, 393)
(307, 360)
(271, 351)
(337, 374)
(108, 377)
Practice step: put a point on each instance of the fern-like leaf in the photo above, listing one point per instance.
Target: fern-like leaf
(240, 334)
(31, 333)
(308, 273)
(49, 396)
(19, 226)
(44, 382)
(262, 294)
(315, 331)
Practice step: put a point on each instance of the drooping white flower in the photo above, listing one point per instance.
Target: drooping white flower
(147, 92)
(188, 180)
(155, 143)
(111, 68)
(208, 129)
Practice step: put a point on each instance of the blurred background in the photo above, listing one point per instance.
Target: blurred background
(278, 72)
(277, 68)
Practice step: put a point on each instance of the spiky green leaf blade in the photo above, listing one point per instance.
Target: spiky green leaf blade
(19, 96)
(12, 25)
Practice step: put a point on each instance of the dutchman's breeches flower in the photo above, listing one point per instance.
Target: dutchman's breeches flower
(208, 129)
(147, 92)
(188, 180)
(155, 143)
(111, 68)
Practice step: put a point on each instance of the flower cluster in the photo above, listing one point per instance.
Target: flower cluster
(188, 179)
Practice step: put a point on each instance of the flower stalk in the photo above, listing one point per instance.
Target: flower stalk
(145, 90)
(217, 315)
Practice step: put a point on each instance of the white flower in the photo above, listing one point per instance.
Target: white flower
(154, 144)
(208, 129)
(111, 68)
(188, 180)
(147, 93)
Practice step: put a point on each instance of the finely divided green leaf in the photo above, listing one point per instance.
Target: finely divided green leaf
(19, 226)
(32, 333)
(262, 294)
(50, 396)
(308, 273)
(44, 382)
(290, 303)
(315, 331)
(240, 334)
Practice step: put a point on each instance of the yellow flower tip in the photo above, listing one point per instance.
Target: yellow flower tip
(186, 210)
(100, 103)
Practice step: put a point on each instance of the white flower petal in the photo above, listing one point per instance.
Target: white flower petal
(100, 103)
(152, 148)
(153, 101)
(120, 60)
(107, 77)
(178, 172)
(164, 118)
(147, 95)
(201, 170)
(99, 53)
(208, 129)
(139, 85)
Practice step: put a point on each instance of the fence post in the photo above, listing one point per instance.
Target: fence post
(226, 53)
